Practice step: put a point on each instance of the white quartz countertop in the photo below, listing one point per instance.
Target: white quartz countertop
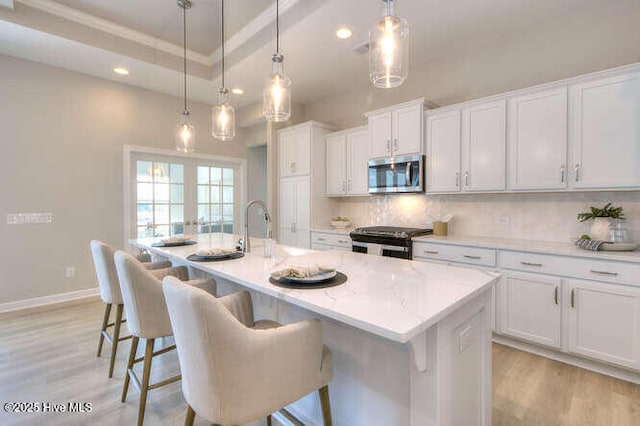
(392, 298)
(544, 247)
(336, 231)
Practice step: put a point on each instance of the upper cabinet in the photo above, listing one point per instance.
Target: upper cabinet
(396, 130)
(294, 151)
(484, 147)
(577, 134)
(443, 152)
(537, 140)
(605, 132)
(466, 149)
(347, 157)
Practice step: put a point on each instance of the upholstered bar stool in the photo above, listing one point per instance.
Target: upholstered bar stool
(148, 318)
(110, 292)
(233, 374)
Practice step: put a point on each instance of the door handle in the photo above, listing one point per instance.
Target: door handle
(555, 294)
(466, 178)
(389, 145)
(573, 297)
(576, 168)
(343, 241)
(561, 174)
(457, 177)
(430, 252)
(395, 144)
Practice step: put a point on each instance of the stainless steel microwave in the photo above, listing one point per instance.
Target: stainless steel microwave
(396, 175)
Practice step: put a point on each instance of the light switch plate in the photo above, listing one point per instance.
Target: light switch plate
(28, 218)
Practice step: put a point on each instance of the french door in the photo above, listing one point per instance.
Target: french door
(177, 195)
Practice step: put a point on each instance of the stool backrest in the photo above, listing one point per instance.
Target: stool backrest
(147, 315)
(106, 272)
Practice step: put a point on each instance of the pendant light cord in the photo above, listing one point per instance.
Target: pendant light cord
(184, 50)
(277, 27)
(222, 31)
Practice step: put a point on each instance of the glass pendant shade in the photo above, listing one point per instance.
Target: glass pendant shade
(223, 119)
(185, 137)
(276, 105)
(389, 49)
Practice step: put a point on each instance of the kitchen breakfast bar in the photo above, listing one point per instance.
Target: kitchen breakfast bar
(411, 341)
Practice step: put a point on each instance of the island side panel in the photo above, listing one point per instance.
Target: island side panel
(459, 379)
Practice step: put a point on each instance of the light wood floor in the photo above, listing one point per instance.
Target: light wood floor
(49, 356)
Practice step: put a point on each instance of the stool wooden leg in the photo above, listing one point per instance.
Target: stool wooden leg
(146, 372)
(132, 357)
(326, 407)
(191, 415)
(116, 337)
(269, 420)
(105, 321)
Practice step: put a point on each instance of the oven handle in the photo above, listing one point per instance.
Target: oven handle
(407, 174)
(384, 246)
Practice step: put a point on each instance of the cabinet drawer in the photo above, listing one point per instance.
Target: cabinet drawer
(591, 269)
(338, 240)
(472, 255)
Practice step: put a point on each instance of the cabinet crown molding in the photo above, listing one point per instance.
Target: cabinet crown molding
(422, 101)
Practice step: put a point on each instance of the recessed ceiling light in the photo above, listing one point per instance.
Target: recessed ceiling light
(343, 32)
(237, 91)
(121, 71)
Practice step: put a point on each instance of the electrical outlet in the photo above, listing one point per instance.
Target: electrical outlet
(70, 271)
(505, 220)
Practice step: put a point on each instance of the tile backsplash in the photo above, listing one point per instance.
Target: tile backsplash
(543, 217)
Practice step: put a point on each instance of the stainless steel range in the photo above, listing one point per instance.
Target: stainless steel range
(391, 241)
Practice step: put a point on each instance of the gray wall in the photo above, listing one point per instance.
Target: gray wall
(62, 138)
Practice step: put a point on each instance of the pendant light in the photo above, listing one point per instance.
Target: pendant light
(276, 101)
(186, 134)
(389, 49)
(223, 116)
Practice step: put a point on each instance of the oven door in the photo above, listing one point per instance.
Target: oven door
(381, 250)
(396, 175)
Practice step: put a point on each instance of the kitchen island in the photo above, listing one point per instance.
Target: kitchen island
(411, 341)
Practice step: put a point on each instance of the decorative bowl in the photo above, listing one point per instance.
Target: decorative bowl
(340, 224)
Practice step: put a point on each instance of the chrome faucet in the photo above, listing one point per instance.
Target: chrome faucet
(246, 245)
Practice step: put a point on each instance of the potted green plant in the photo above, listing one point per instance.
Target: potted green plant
(602, 219)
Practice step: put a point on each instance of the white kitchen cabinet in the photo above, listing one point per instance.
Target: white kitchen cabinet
(484, 147)
(295, 214)
(396, 130)
(337, 164)
(604, 322)
(605, 132)
(347, 157)
(537, 140)
(301, 189)
(330, 241)
(294, 151)
(530, 308)
(443, 152)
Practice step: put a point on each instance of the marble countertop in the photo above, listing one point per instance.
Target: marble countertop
(337, 231)
(392, 298)
(543, 247)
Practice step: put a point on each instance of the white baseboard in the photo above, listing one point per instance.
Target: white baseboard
(587, 364)
(48, 300)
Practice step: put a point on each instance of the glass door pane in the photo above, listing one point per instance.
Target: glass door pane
(159, 199)
(215, 199)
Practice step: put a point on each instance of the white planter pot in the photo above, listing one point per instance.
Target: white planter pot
(601, 229)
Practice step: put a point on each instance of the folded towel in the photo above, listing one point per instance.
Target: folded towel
(301, 271)
(593, 245)
(215, 251)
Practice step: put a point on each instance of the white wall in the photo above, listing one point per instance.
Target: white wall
(62, 138)
(257, 190)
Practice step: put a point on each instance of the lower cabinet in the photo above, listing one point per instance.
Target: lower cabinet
(295, 211)
(529, 308)
(604, 322)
